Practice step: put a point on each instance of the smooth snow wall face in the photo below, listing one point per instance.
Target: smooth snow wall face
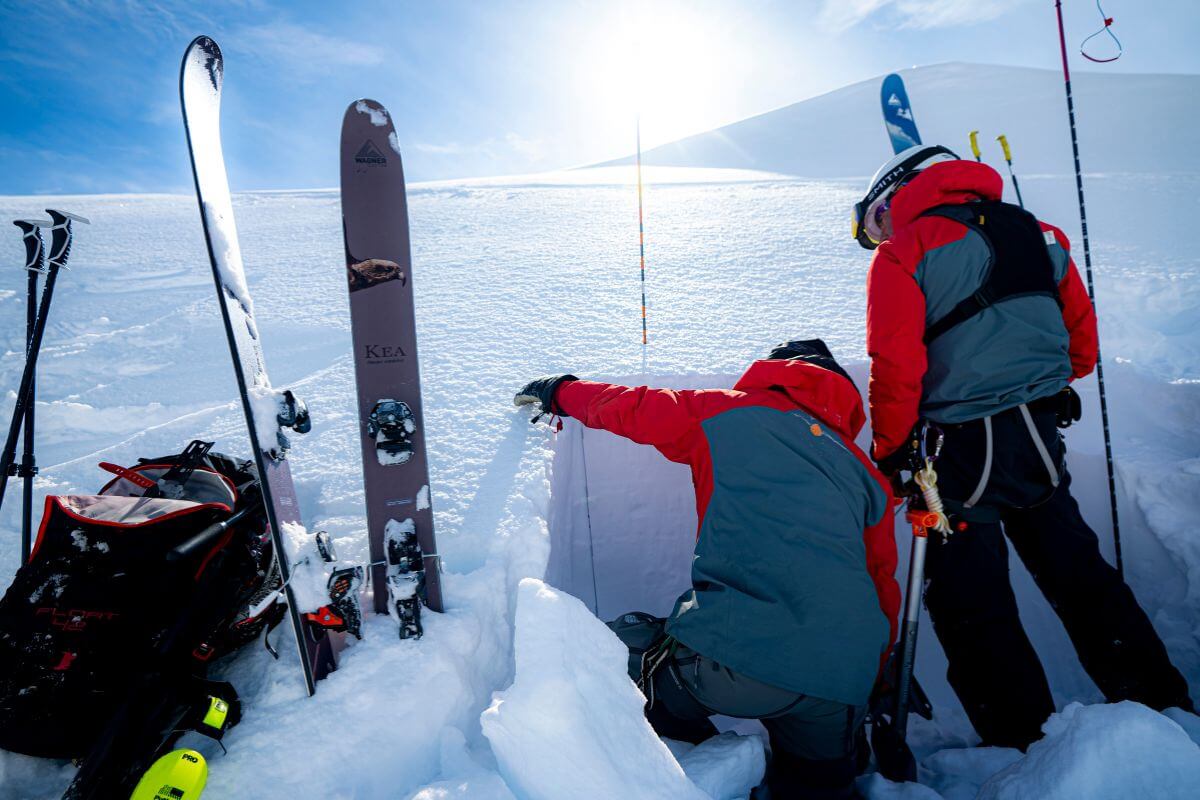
(622, 517)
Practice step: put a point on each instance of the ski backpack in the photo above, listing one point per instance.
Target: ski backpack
(158, 573)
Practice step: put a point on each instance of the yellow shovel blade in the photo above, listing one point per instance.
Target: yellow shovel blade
(179, 775)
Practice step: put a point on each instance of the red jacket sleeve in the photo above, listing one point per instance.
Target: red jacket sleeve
(880, 539)
(896, 347)
(658, 417)
(1078, 313)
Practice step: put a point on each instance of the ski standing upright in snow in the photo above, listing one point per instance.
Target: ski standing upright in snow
(379, 275)
(267, 411)
(897, 114)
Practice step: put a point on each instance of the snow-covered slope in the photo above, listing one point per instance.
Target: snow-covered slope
(538, 275)
(1127, 123)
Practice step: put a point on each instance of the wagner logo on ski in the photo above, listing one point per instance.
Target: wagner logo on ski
(369, 154)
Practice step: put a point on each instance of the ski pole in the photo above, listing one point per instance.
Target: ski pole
(641, 229)
(1003, 140)
(1087, 260)
(60, 248)
(975, 145)
(35, 265)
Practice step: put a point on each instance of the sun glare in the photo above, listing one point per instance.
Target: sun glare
(663, 62)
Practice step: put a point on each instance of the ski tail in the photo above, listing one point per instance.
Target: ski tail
(897, 114)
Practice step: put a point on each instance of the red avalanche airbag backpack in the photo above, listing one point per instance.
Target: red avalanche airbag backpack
(102, 593)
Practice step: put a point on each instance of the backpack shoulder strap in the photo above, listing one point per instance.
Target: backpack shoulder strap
(1018, 266)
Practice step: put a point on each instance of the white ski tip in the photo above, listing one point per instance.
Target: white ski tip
(379, 115)
(37, 223)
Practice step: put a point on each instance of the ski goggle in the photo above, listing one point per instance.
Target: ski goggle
(867, 213)
(860, 230)
(866, 223)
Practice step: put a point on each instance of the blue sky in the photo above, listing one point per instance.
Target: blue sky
(89, 96)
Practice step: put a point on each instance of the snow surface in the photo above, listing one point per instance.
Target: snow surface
(533, 275)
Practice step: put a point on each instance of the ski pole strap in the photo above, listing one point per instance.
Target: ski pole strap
(1108, 21)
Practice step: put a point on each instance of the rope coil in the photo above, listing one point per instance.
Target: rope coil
(926, 479)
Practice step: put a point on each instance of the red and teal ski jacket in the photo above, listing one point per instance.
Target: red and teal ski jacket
(794, 568)
(1022, 349)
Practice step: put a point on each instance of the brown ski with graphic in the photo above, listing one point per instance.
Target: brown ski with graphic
(404, 563)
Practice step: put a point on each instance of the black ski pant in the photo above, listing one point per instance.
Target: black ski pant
(813, 741)
(992, 665)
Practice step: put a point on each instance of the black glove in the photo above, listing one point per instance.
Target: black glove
(541, 391)
(1069, 409)
(898, 459)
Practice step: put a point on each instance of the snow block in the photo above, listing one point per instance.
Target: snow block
(571, 725)
(1103, 752)
(727, 767)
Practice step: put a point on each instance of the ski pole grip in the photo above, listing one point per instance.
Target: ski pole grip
(60, 238)
(1004, 145)
(33, 242)
(975, 144)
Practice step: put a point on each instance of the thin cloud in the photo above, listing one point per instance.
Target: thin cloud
(532, 149)
(841, 15)
(304, 48)
(449, 149)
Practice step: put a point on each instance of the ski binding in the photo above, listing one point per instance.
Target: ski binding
(392, 426)
(405, 576)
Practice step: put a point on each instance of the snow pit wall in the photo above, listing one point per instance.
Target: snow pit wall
(622, 518)
(622, 524)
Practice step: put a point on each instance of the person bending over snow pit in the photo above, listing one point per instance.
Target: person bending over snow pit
(977, 322)
(793, 601)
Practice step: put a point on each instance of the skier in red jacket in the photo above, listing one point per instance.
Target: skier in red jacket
(794, 601)
(977, 323)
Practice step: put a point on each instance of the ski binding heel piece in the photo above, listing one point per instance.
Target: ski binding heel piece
(344, 612)
(405, 576)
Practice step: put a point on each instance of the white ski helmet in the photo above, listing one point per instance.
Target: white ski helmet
(864, 224)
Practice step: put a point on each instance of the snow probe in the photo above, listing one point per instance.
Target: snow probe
(387, 377)
(1003, 140)
(1087, 260)
(641, 230)
(201, 78)
(61, 234)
